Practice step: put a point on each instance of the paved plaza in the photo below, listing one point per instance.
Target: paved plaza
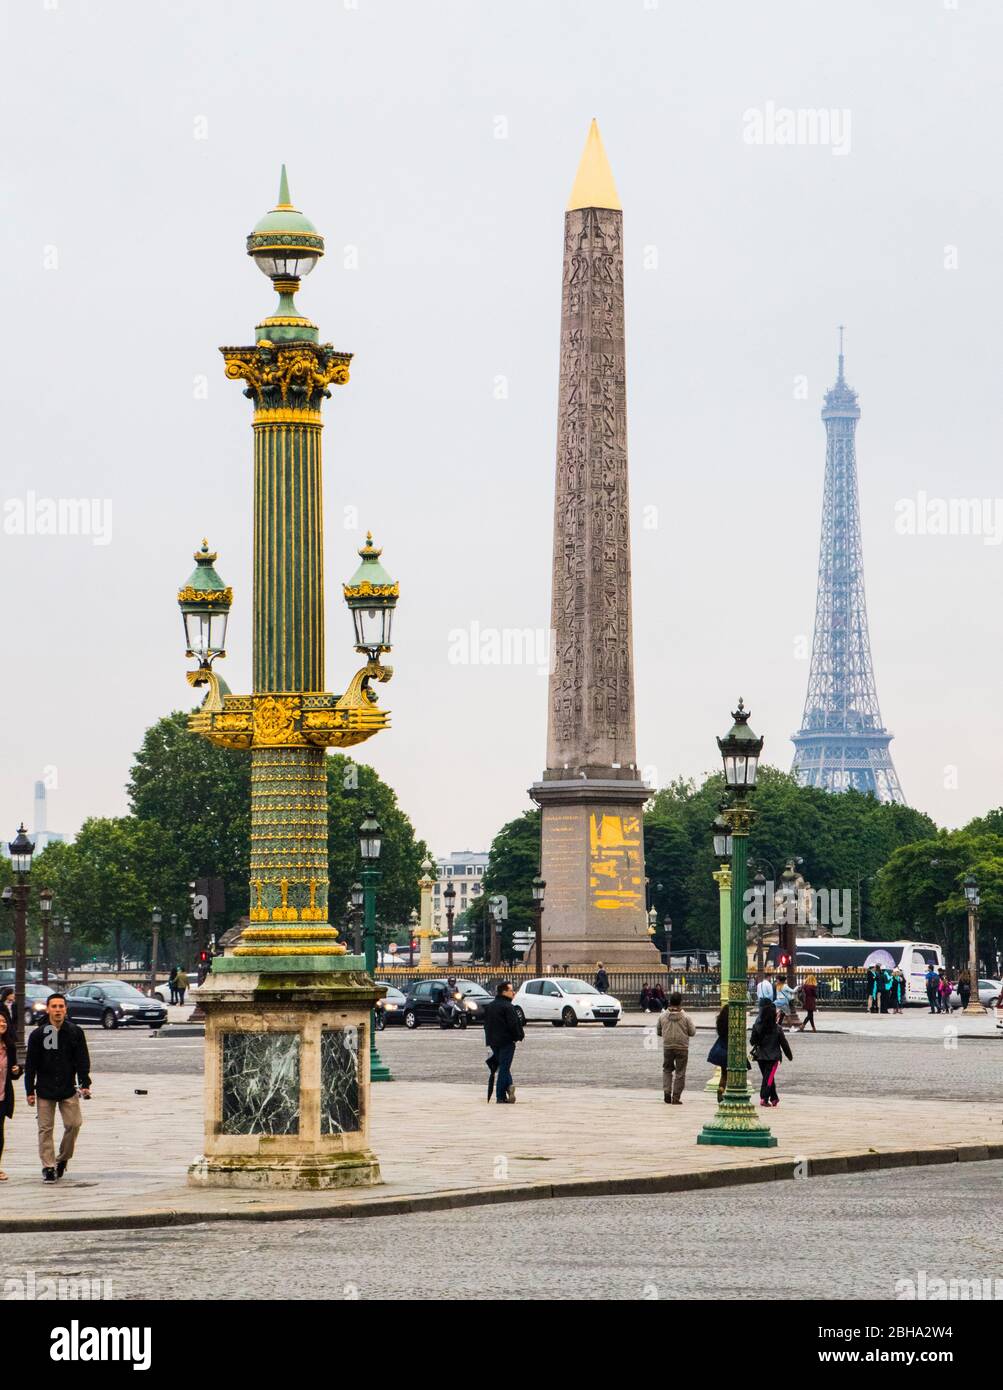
(440, 1145)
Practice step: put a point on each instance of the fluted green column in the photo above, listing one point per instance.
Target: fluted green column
(736, 1121)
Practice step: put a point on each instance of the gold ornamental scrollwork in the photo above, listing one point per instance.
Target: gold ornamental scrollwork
(274, 722)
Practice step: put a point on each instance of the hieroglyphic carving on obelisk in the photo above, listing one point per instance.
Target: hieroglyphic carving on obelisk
(591, 794)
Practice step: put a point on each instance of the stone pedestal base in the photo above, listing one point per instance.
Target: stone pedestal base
(287, 1073)
(592, 858)
(350, 1170)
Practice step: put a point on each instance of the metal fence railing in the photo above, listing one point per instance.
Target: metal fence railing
(701, 989)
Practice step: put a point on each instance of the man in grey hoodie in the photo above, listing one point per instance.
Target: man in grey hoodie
(675, 1029)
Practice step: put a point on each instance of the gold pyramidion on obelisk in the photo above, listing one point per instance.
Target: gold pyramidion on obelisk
(591, 794)
(594, 186)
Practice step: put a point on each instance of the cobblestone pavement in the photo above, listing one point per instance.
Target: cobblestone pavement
(936, 1064)
(842, 1237)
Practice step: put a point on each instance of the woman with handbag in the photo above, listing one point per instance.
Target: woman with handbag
(718, 1055)
(769, 1044)
(9, 1072)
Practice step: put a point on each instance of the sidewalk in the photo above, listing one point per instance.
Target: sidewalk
(441, 1146)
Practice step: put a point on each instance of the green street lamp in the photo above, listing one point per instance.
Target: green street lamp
(971, 887)
(449, 897)
(539, 894)
(736, 1122)
(356, 899)
(722, 842)
(21, 849)
(789, 898)
(370, 844)
(156, 917)
(45, 906)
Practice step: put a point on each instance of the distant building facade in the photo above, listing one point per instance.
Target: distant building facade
(465, 870)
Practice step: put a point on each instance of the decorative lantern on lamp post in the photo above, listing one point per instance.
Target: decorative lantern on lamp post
(736, 1122)
(287, 999)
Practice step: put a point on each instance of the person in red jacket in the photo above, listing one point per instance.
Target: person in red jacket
(809, 991)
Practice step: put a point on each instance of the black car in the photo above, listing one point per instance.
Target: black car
(421, 1005)
(389, 1008)
(114, 1005)
(34, 1003)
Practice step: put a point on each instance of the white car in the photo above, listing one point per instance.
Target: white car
(989, 992)
(565, 1003)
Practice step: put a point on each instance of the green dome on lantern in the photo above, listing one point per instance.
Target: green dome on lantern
(285, 233)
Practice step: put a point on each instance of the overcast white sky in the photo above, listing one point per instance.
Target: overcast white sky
(144, 140)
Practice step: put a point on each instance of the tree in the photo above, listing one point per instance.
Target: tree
(200, 795)
(513, 862)
(354, 789)
(920, 888)
(109, 880)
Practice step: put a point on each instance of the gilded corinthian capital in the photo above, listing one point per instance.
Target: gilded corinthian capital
(279, 376)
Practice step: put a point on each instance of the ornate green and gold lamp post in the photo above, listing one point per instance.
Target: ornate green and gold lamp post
(370, 844)
(288, 1010)
(721, 833)
(736, 1122)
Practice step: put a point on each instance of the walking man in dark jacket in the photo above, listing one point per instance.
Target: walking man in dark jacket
(502, 1030)
(602, 979)
(55, 1062)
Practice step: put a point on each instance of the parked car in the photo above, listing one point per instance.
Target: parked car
(565, 1003)
(32, 976)
(389, 1008)
(989, 992)
(114, 1005)
(424, 997)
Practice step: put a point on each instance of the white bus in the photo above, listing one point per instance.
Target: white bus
(913, 958)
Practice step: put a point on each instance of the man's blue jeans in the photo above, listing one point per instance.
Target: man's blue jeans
(503, 1078)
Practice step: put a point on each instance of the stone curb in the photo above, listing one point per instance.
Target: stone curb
(639, 1185)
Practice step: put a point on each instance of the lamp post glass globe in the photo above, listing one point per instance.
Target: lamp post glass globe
(370, 839)
(45, 901)
(539, 888)
(156, 916)
(722, 838)
(357, 895)
(21, 849)
(971, 889)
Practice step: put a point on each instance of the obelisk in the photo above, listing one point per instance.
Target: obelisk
(592, 855)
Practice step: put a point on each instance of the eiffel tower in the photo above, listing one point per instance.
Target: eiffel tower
(842, 742)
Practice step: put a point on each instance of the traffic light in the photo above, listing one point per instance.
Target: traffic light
(783, 960)
(203, 957)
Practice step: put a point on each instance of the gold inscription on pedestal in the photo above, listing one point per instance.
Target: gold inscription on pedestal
(564, 865)
(615, 857)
